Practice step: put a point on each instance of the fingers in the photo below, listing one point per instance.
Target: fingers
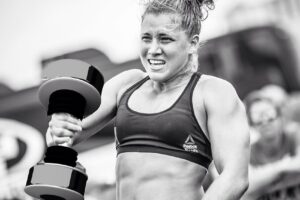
(62, 129)
(61, 132)
(49, 138)
(66, 117)
(52, 140)
(65, 141)
(65, 121)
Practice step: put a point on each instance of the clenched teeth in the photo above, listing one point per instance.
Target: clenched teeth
(156, 62)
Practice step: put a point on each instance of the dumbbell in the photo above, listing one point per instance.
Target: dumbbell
(74, 87)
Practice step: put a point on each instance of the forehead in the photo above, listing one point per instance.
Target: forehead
(261, 109)
(166, 22)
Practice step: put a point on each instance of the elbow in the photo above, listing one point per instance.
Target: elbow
(244, 185)
(241, 184)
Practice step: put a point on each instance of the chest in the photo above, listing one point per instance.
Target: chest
(172, 125)
(147, 100)
(170, 118)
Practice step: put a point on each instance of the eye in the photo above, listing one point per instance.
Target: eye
(166, 39)
(146, 38)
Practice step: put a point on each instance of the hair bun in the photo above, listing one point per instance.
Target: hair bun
(192, 12)
(205, 5)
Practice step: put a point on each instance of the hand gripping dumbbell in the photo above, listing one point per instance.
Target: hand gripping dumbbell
(73, 87)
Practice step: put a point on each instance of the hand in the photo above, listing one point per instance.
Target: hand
(62, 129)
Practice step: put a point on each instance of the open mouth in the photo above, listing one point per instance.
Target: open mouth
(156, 64)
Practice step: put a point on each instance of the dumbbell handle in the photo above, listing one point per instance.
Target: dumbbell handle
(50, 141)
(69, 103)
(66, 144)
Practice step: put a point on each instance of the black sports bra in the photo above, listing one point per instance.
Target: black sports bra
(174, 131)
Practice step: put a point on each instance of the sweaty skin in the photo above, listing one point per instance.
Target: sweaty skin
(156, 176)
(147, 176)
(167, 56)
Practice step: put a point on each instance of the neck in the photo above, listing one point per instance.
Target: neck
(176, 81)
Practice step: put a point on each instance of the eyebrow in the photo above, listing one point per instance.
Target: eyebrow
(159, 34)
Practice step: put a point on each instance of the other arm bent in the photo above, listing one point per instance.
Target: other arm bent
(228, 131)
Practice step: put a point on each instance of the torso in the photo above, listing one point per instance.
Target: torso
(148, 176)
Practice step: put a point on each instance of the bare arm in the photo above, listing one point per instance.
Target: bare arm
(229, 136)
(63, 126)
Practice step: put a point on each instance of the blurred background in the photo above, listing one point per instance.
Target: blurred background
(249, 43)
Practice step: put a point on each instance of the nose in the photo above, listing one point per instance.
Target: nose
(154, 48)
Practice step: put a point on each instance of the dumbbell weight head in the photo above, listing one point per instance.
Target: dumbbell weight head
(74, 87)
(55, 181)
(73, 75)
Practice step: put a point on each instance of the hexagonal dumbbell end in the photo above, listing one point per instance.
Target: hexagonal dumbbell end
(74, 87)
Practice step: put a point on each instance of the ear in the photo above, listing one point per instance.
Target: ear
(194, 44)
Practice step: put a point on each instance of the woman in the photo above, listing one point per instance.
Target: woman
(170, 121)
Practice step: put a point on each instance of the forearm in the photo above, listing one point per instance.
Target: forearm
(226, 188)
(90, 126)
(88, 130)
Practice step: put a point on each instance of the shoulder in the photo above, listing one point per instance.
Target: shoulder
(215, 89)
(125, 79)
(116, 86)
(212, 83)
(128, 76)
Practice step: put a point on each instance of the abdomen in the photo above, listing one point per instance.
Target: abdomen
(148, 176)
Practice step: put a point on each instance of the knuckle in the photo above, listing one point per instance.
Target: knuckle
(59, 116)
(68, 126)
(50, 124)
(58, 132)
(55, 139)
(64, 125)
(55, 116)
(58, 140)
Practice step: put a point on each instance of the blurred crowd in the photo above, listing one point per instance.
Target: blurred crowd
(274, 171)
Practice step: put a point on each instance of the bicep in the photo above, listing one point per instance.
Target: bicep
(106, 111)
(228, 129)
(109, 97)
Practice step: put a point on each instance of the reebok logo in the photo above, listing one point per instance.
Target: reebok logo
(190, 145)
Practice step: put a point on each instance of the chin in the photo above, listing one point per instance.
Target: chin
(159, 77)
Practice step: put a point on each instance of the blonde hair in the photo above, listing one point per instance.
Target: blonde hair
(192, 12)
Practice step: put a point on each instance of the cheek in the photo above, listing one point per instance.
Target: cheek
(179, 51)
(143, 51)
(179, 57)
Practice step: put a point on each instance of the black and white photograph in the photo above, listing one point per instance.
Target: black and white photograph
(150, 100)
